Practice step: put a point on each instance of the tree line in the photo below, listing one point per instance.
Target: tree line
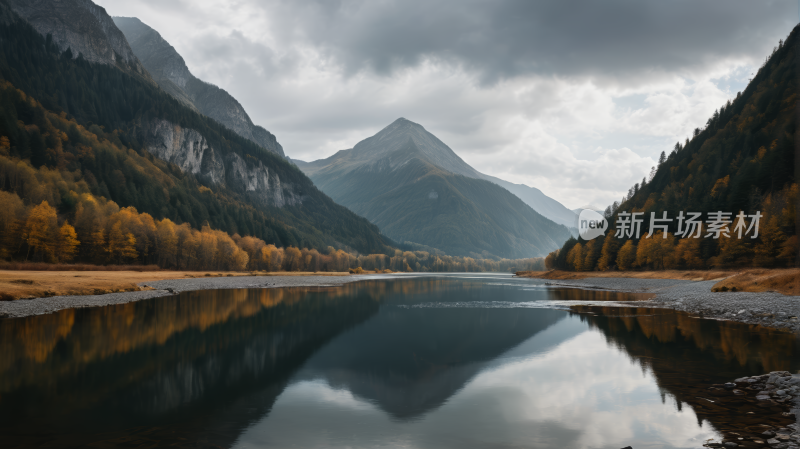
(100, 232)
(775, 246)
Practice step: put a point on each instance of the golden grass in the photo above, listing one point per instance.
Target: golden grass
(785, 280)
(16, 284)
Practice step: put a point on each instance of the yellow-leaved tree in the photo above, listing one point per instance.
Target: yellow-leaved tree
(575, 257)
(626, 256)
(121, 245)
(40, 231)
(67, 243)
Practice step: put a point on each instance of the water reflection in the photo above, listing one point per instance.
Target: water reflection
(455, 361)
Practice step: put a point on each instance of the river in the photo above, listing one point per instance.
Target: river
(440, 361)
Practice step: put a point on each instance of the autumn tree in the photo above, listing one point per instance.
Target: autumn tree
(608, 254)
(626, 256)
(11, 221)
(167, 243)
(67, 243)
(121, 245)
(687, 254)
(575, 257)
(292, 259)
(40, 230)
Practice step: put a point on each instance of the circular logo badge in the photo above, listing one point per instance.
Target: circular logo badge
(591, 224)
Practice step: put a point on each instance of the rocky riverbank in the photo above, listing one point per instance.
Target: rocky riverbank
(769, 309)
(776, 392)
(38, 306)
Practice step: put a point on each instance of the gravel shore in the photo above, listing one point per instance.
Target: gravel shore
(767, 308)
(38, 306)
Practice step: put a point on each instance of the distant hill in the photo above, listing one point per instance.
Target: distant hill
(744, 159)
(587, 206)
(416, 189)
(538, 201)
(170, 72)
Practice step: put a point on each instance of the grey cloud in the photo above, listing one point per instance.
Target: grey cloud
(501, 39)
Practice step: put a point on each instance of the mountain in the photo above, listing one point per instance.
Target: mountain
(443, 157)
(170, 72)
(83, 28)
(70, 127)
(416, 189)
(743, 160)
(538, 201)
(588, 206)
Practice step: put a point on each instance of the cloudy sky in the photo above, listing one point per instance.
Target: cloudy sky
(577, 98)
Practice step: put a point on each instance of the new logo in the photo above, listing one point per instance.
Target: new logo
(591, 224)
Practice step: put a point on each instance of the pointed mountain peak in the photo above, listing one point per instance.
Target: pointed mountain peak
(396, 137)
(403, 124)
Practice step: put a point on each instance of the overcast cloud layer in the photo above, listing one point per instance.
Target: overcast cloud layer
(577, 98)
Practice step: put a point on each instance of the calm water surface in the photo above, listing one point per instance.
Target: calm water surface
(455, 361)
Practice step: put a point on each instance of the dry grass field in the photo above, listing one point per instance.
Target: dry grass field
(783, 280)
(16, 284)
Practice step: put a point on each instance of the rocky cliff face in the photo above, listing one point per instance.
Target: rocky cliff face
(83, 27)
(169, 70)
(190, 151)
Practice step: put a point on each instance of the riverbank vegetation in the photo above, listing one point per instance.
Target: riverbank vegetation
(775, 246)
(781, 280)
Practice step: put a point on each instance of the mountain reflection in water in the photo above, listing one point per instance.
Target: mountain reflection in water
(365, 364)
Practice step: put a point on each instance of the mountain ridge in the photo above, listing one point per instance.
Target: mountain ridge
(441, 156)
(396, 179)
(84, 28)
(169, 70)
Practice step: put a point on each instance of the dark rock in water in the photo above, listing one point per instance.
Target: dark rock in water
(627, 447)
(731, 444)
(768, 434)
(730, 386)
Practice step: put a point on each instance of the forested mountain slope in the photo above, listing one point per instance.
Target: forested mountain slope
(83, 28)
(170, 72)
(120, 137)
(416, 189)
(743, 159)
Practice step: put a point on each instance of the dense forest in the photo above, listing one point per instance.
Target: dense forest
(743, 160)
